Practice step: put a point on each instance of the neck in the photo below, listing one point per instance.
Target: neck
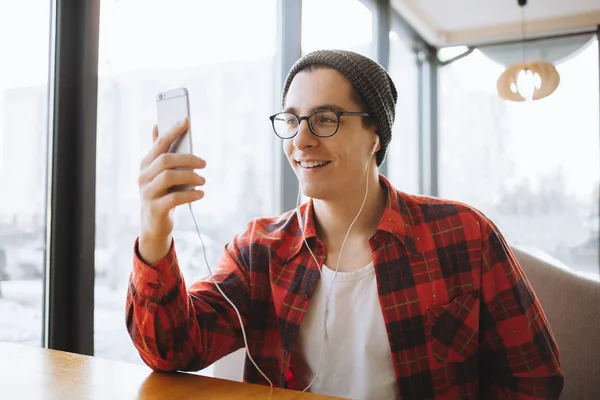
(333, 217)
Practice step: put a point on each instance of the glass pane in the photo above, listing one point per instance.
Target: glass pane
(227, 61)
(339, 24)
(336, 24)
(23, 158)
(531, 167)
(403, 152)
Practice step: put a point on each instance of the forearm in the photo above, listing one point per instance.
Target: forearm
(161, 320)
(548, 388)
(511, 380)
(175, 328)
(520, 357)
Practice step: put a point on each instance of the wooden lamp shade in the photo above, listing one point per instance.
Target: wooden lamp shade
(539, 78)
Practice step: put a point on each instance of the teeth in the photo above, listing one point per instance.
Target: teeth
(312, 164)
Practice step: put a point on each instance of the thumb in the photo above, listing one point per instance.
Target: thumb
(154, 133)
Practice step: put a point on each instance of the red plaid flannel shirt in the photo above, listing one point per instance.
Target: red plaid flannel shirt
(462, 319)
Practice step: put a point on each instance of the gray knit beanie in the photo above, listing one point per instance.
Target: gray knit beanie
(368, 78)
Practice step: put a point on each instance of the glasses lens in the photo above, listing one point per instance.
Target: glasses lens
(285, 125)
(324, 123)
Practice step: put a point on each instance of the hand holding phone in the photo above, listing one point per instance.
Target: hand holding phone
(168, 166)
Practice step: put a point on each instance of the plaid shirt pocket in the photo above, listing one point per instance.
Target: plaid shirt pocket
(454, 329)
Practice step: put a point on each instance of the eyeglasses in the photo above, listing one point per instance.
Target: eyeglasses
(322, 123)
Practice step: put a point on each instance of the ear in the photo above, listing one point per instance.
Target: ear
(376, 145)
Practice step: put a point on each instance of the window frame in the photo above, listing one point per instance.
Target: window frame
(68, 321)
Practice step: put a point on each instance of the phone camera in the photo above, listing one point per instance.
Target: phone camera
(160, 96)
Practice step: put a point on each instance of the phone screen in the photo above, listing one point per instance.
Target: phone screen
(172, 107)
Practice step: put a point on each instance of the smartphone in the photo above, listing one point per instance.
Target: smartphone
(173, 106)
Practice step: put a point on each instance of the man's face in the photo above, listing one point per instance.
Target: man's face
(345, 154)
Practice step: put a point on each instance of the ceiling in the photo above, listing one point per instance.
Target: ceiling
(465, 22)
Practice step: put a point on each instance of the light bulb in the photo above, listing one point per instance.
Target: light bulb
(527, 83)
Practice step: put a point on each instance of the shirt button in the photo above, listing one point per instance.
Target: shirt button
(286, 352)
(305, 296)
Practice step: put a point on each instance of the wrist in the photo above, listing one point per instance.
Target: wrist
(152, 250)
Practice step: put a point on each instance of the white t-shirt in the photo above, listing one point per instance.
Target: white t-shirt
(357, 360)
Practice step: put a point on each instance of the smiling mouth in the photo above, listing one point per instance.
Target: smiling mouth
(312, 164)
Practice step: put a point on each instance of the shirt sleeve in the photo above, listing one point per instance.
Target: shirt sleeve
(519, 355)
(176, 328)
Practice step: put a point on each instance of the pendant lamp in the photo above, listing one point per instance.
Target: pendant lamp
(529, 80)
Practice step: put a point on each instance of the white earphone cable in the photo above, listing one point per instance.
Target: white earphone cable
(228, 300)
(318, 266)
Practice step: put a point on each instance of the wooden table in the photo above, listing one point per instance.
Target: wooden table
(34, 373)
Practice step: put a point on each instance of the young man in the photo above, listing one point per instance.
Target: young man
(428, 301)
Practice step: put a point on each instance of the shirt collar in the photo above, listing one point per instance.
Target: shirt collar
(396, 220)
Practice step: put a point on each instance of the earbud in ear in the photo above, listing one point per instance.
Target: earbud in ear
(374, 149)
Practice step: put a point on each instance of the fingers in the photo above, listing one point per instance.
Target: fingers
(160, 185)
(161, 175)
(162, 143)
(163, 205)
(169, 161)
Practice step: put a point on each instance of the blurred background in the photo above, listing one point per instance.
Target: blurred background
(533, 167)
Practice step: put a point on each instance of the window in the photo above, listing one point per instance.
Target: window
(231, 80)
(23, 157)
(337, 24)
(403, 152)
(534, 167)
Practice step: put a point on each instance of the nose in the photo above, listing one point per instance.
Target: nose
(304, 138)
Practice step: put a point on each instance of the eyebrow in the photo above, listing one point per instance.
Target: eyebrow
(313, 109)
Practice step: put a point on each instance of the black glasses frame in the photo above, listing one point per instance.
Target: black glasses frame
(338, 114)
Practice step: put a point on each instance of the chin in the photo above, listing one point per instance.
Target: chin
(317, 187)
(315, 191)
